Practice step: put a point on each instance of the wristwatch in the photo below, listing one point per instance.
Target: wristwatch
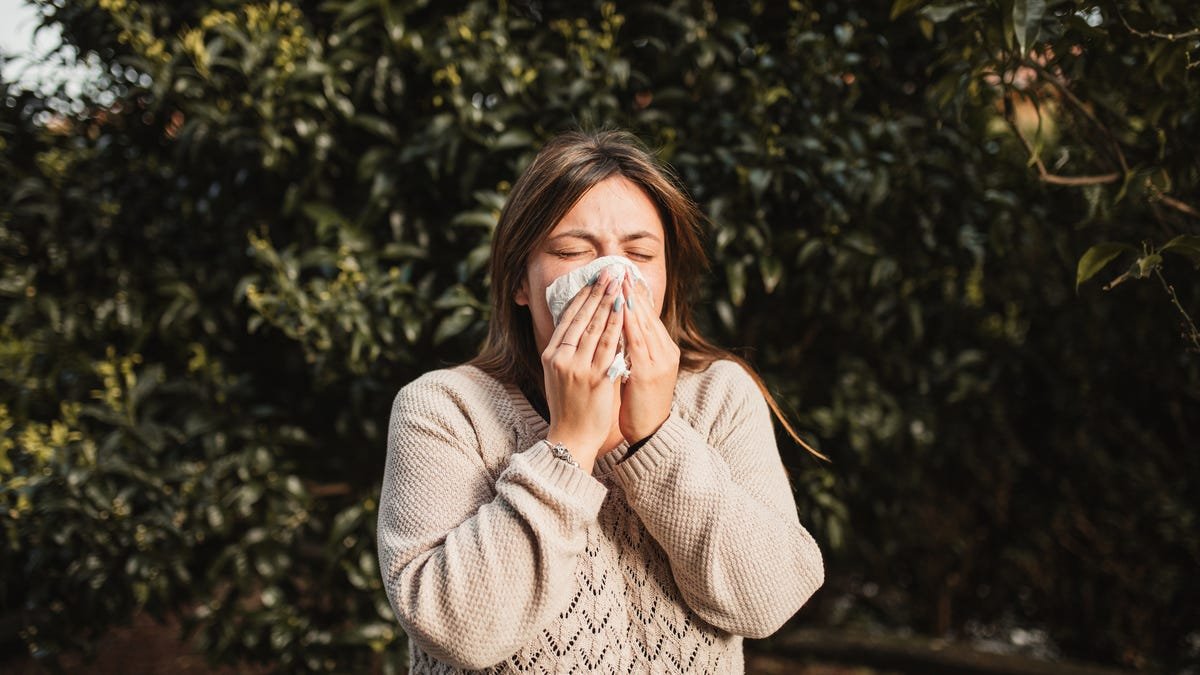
(560, 451)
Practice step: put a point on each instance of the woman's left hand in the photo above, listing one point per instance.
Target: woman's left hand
(653, 363)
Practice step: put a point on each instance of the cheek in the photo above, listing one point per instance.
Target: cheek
(539, 277)
(544, 272)
(657, 279)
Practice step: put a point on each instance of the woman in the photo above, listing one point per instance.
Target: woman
(540, 515)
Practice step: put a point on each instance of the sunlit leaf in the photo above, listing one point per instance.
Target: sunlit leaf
(735, 275)
(1096, 258)
(1027, 22)
(901, 6)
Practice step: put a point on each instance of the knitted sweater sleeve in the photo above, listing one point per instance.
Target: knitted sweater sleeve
(720, 505)
(474, 567)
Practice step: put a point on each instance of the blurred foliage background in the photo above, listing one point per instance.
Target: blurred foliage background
(960, 239)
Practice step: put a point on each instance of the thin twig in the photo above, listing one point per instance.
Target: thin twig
(1178, 205)
(1012, 125)
(1098, 179)
(1192, 333)
(1170, 37)
(1173, 37)
(1157, 196)
(1066, 91)
(1081, 107)
(1043, 174)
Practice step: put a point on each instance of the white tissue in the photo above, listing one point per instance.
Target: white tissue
(564, 288)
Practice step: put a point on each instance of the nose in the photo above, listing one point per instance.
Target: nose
(610, 247)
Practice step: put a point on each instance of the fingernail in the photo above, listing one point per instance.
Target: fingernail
(619, 303)
(629, 302)
(612, 287)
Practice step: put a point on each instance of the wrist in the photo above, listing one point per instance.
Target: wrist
(577, 444)
(640, 436)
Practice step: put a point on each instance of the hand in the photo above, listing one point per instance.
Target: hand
(654, 367)
(582, 400)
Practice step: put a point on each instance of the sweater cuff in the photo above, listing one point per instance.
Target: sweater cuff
(659, 450)
(633, 448)
(573, 482)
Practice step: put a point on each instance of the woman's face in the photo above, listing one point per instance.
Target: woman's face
(615, 217)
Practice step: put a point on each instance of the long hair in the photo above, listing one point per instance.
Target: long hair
(568, 166)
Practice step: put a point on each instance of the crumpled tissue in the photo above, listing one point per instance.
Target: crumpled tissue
(564, 288)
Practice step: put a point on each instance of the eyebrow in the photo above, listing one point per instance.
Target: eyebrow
(584, 234)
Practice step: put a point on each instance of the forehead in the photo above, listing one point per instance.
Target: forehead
(615, 205)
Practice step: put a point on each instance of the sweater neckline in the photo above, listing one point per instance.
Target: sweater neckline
(537, 427)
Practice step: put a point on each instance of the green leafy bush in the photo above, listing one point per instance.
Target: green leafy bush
(270, 216)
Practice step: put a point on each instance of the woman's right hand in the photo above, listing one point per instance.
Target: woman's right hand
(583, 401)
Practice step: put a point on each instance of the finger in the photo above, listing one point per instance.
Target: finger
(606, 347)
(639, 298)
(568, 315)
(654, 323)
(583, 318)
(643, 289)
(654, 330)
(635, 337)
(599, 319)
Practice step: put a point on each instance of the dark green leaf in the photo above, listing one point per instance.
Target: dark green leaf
(1187, 245)
(1095, 258)
(901, 6)
(453, 324)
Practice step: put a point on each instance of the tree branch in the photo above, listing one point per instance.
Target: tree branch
(1172, 37)
(1043, 174)
(1081, 107)
(1177, 205)
(1098, 179)
(1192, 334)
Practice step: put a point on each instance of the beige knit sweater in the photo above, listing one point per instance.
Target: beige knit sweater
(497, 556)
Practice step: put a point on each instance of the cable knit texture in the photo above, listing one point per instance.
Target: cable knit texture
(499, 557)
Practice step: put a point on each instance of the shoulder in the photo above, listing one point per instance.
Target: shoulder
(722, 378)
(461, 409)
(721, 390)
(458, 383)
(460, 393)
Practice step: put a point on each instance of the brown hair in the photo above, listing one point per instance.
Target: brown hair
(568, 166)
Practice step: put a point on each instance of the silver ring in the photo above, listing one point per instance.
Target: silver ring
(568, 344)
